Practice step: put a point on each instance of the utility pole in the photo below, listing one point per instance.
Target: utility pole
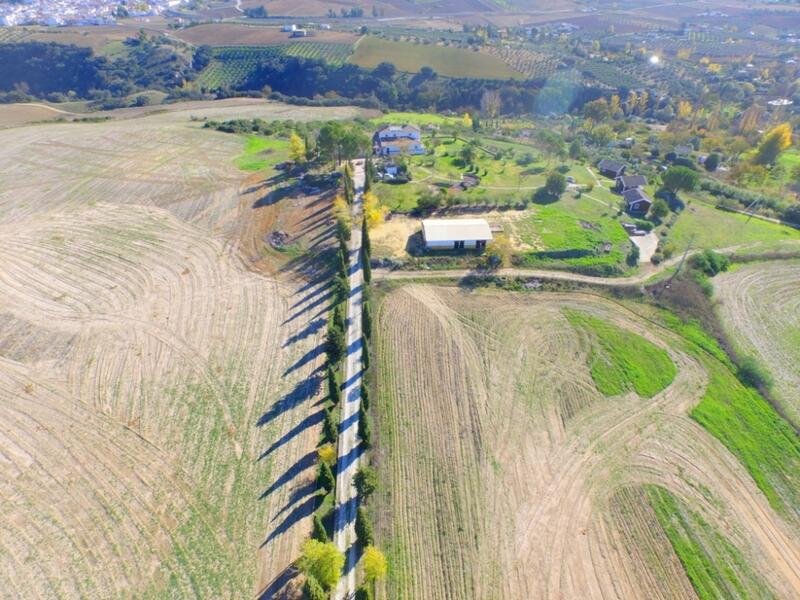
(678, 270)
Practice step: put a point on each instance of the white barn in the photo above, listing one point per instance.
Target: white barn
(456, 234)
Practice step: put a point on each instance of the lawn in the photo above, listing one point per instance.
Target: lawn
(262, 153)
(446, 61)
(621, 361)
(713, 228)
(715, 567)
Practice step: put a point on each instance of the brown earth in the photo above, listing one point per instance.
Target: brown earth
(506, 474)
(227, 34)
(158, 390)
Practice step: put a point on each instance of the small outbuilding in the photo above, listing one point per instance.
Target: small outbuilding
(456, 234)
(611, 168)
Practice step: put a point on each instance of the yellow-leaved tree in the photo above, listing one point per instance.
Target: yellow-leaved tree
(322, 561)
(374, 213)
(341, 212)
(297, 148)
(775, 141)
(684, 109)
(466, 120)
(375, 565)
(327, 454)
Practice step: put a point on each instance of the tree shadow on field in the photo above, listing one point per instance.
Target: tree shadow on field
(310, 421)
(286, 586)
(313, 327)
(307, 358)
(302, 391)
(307, 489)
(299, 512)
(304, 462)
(274, 196)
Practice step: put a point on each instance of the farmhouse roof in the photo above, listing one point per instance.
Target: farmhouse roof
(406, 127)
(632, 181)
(446, 230)
(610, 165)
(635, 195)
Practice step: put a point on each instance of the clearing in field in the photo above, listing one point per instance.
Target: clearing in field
(446, 61)
(510, 469)
(157, 390)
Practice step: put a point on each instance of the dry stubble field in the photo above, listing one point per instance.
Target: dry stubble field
(760, 305)
(505, 473)
(157, 392)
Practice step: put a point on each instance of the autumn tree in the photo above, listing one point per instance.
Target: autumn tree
(327, 454)
(375, 565)
(297, 148)
(499, 251)
(374, 213)
(322, 561)
(466, 120)
(775, 141)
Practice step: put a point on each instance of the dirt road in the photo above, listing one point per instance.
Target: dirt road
(349, 450)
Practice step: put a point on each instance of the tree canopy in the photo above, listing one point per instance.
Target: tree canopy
(322, 561)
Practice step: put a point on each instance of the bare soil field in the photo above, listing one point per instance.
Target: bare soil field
(760, 305)
(221, 34)
(505, 473)
(158, 389)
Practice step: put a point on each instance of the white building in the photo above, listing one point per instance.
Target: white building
(456, 234)
(399, 132)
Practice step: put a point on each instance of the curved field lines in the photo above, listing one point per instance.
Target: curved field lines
(506, 473)
(158, 405)
(760, 305)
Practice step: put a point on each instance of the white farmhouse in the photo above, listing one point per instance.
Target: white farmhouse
(399, 132)
(456, 234)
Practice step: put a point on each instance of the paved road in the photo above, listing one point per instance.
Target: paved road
(344, 535)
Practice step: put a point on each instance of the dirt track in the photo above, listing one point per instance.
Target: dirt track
(760, 305)
(157, 397)
(506, 474)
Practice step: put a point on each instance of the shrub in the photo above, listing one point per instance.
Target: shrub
(364, 395)
(752, 373)
(366, 481)
(312, 590)
(330, 432)
(710, 263)
(363, 593)
(633, 256)
(322, 562)
(325, 478)
(319, 532)
(364, 430)
(712, 162)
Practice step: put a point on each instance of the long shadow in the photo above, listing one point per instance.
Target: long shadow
(356, 548)
(310, 306)
(315, 214)
(308, 357)
(276, 588)
(302, 391)
(274, 196)
(309, 421)
(348, 459)
(355, 346)
(349, 509)
(352, 395)
(303, 463)
(347, 423)
(311, 294)
(297, 495)
(301, 511)
(352, 379)
(310, 329)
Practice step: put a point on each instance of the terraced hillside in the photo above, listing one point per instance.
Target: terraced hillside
(157, 393)
(541, 446)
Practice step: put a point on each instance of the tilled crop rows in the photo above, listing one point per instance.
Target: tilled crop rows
(156, 397)
(505, 472)
(760, 304)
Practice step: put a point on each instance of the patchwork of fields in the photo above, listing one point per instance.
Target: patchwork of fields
(506, 470)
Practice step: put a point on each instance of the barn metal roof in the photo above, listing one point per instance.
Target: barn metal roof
(446, 230)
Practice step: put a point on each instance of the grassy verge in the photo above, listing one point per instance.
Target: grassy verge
(715, 567)
(621, 361)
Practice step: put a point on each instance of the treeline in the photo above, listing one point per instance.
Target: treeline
(59, 72)
(297, 77)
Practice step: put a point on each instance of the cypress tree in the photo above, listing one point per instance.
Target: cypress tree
(364, 430)
(366, 320)
(364, 353)
(334, 389)
(325, 478)
(364, 395)
(367, 268)
(366, 245)
(319, 533)
(364, 530)
(329, 429)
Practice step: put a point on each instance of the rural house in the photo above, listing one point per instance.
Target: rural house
(636, 201)
(611, 168)
(456, 234)
(629, 182)
(392, 140)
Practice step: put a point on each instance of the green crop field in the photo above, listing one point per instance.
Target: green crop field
(261, 153)
(621, 361)
(716, 568)
(233, 65)
(446, 61)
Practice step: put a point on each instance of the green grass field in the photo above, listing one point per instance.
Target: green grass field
(621, 361)
(715, 567)
(262, 153)
(710, 227)
(446, 61)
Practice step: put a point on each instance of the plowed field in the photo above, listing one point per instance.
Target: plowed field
(158, 395)
(760, 304)
(506, 473)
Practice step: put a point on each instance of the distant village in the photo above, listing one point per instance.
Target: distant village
(78, 12)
